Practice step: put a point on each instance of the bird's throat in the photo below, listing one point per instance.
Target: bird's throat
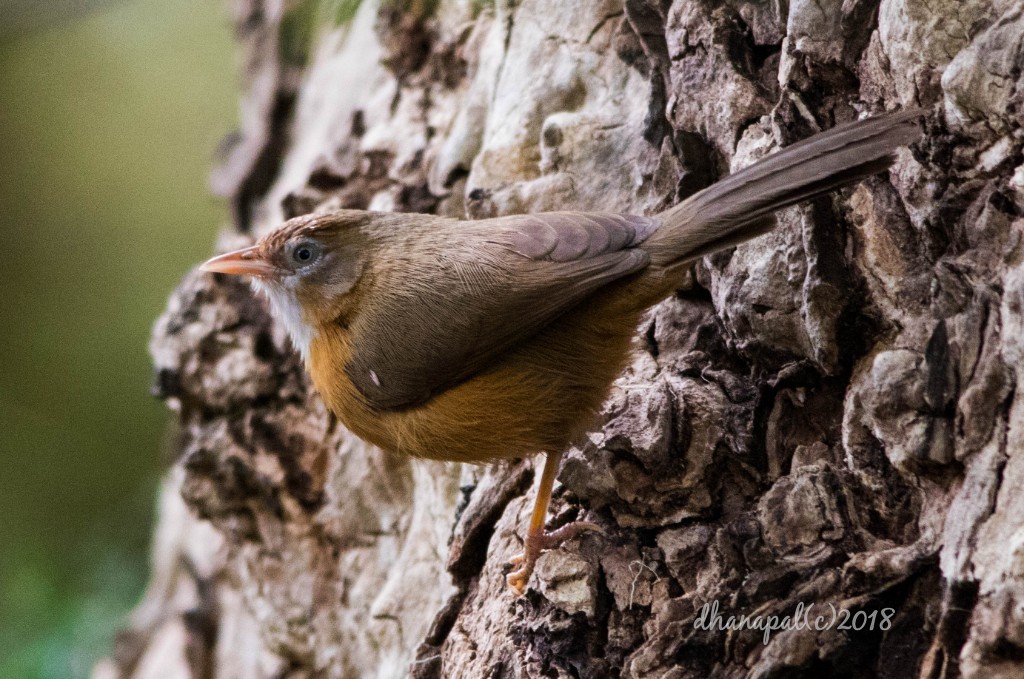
(285, 308)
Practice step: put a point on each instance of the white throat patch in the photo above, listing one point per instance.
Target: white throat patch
(286, 309)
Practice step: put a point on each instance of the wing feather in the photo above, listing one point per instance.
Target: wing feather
(500, 283)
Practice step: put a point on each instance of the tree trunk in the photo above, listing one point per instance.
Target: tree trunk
(827, 416)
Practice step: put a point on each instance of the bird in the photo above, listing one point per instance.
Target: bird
(480, 340)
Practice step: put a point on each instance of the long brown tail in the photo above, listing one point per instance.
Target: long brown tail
(740, 206)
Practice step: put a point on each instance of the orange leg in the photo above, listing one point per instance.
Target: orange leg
(537, 541)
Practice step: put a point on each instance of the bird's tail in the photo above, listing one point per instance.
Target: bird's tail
(740, 206)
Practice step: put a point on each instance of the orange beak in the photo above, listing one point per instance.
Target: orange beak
(246, 261)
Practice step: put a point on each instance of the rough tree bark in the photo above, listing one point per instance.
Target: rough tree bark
(826, 415)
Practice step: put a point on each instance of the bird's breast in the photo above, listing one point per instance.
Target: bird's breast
(536, 398)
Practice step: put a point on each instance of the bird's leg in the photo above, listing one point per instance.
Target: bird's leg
(537, 541)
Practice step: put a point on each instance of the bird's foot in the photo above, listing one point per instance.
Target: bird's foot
(536, 544)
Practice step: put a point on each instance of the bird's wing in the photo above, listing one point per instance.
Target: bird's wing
(496, 284)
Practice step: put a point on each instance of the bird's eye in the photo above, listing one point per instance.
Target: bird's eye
(306, 252)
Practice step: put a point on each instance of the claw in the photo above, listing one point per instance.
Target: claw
(516, 581)
(569, 531)
(535, 545)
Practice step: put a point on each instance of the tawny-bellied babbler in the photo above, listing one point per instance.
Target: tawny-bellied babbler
(499, 338)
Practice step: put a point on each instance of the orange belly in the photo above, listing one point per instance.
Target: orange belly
(540, 397)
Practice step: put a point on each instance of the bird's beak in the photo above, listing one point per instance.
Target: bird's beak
(246, 261)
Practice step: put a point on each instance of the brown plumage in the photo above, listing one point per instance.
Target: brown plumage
(480, 340)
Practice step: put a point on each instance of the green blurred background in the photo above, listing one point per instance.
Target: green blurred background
(110, 112)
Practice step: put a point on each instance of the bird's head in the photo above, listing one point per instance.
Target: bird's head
(307, 270)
